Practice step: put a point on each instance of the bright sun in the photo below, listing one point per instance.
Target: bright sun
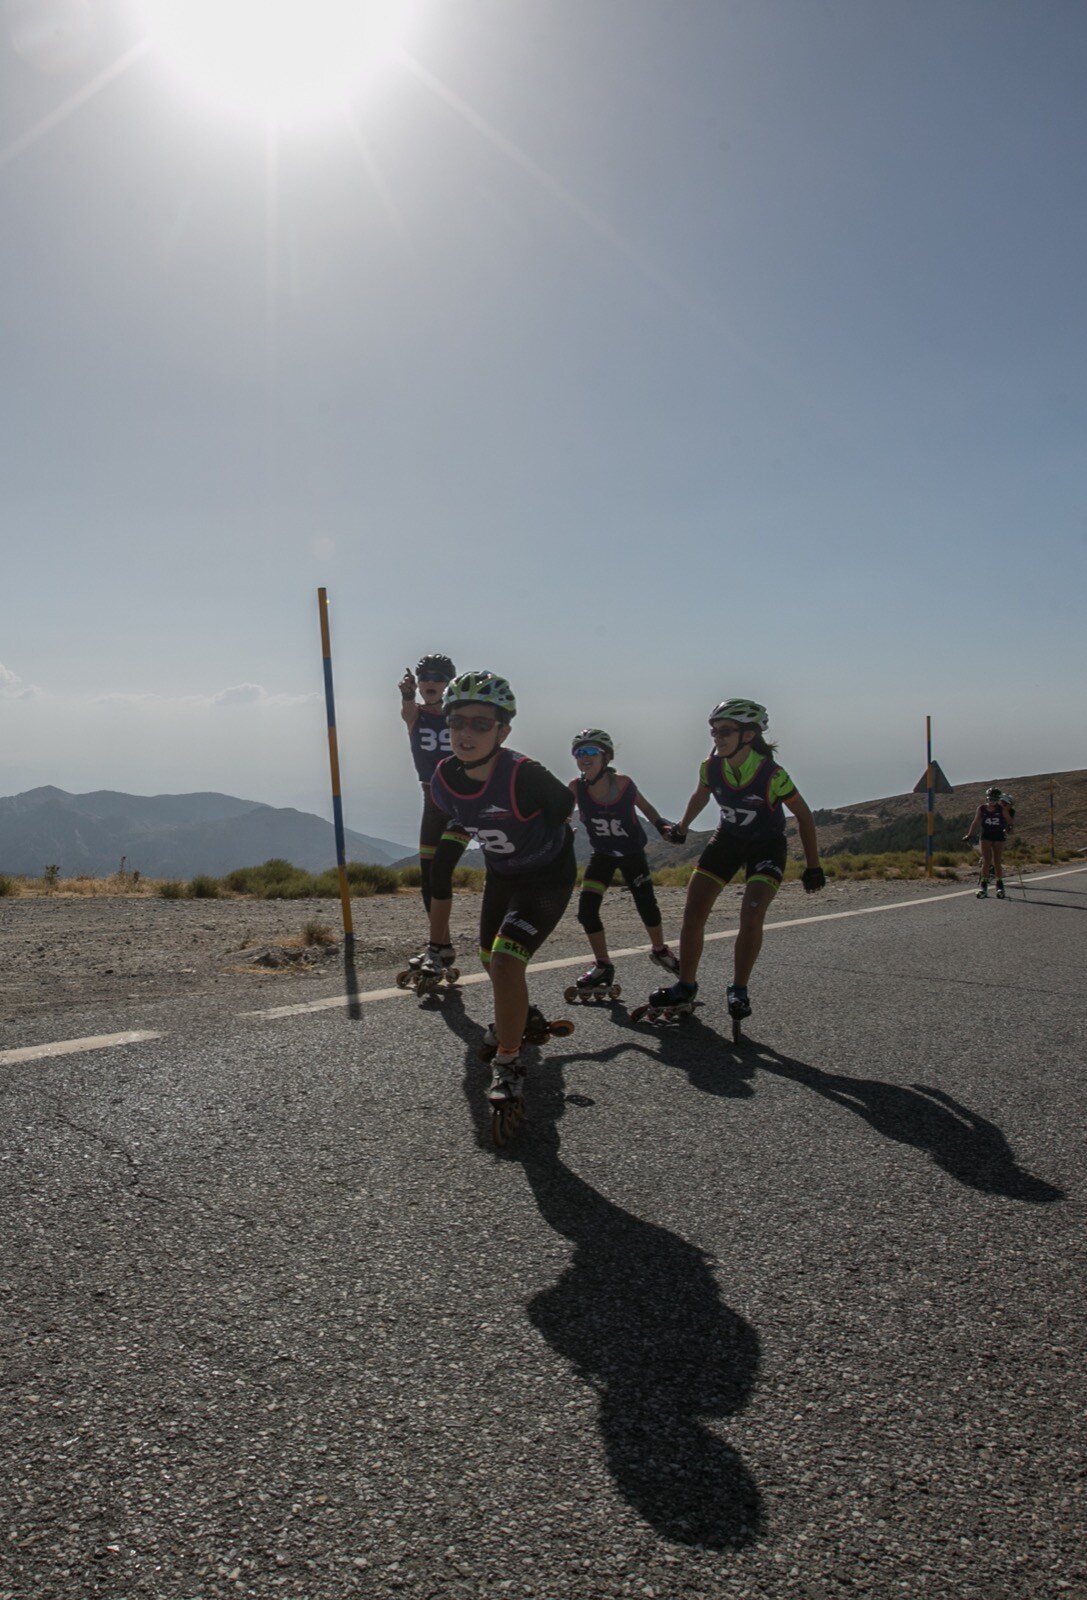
(278, 59)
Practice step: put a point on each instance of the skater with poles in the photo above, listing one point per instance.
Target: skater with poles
(607, 804)
(518, 812)
(751, 789)
(993, 820)
(428, 737)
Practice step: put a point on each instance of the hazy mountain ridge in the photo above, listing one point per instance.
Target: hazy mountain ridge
(167, 836)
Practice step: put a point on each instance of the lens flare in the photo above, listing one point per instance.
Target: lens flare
(282, 60)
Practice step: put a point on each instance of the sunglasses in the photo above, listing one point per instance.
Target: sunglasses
(477, 724)
(724, 730)
(588, 750)
(431, 677)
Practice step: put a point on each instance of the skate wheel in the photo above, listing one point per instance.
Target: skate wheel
(452, 974)
(403, 979)
(638, 1013)
(506, 1117)
(571, 995)
(615, 991)
(737, 1030)
(561, 1028)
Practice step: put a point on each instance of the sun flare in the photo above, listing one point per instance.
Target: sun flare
(282, 60)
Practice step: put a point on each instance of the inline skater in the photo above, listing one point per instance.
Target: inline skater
(751, 789)
(428, 738)
(519, 814)
(993, 820)
(607, 804)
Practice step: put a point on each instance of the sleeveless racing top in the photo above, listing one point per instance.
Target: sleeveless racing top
(429, 742)
(512, 843)
(993, 825)
(747, 812)
(613, 827)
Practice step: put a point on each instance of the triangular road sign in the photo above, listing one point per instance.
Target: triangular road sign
(939, 782)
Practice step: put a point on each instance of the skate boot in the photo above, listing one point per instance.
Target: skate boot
(537, 1031)
(1000, 894)
(427, 969)
(598, 983)
(667, 1004)
(739, 1009)
(983, 892)
(506, 1097)
(666, 958)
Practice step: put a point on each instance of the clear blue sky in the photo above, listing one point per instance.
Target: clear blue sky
(647, 353)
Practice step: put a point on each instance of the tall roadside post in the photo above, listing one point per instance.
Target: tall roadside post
(930, 801)
(334, 762)
(1052, 824)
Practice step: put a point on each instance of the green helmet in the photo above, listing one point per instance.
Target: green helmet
(594, 736)
(748, 712)
(480, 688)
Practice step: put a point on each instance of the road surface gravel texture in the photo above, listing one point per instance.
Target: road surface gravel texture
(799, 1317)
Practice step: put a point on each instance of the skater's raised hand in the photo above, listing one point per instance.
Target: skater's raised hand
(407, 685)
(674, 833)
(813, 879)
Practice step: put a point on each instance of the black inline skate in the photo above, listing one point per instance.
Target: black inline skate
(739, 1009)
(668, 1005)
(506, 1097)
(537, 1031)
(596, 984)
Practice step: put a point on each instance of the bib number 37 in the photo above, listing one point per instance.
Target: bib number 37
(737, 819)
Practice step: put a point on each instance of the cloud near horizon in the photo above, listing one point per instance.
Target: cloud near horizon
(12, 686)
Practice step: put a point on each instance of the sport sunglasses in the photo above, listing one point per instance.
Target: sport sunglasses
(432, 677)
(459, 722)
(588, 750)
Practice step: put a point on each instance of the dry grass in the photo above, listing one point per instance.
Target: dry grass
(126, 886)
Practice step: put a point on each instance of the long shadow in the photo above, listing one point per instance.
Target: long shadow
(712, 1063)
(351, 981)
(639, 1316)
(1033, 900)
(966, 1146)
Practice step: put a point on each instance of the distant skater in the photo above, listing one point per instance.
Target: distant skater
(751, 789)
(428, 737)
(993, 821)
(608, 803)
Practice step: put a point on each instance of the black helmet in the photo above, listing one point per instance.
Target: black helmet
(992, 792)
(438, 664)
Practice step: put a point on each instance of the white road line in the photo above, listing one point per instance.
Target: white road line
(72, 1047)
(337, 1002)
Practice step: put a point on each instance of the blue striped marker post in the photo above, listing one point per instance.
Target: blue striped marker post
(334, 762)
(930, 817)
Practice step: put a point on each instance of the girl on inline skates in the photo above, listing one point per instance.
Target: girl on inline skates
(751, 789)
(519, 814)
(993, 820)
(607, 804)
(428, 737)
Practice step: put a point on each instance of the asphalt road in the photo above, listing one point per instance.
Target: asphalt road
(799, 1318)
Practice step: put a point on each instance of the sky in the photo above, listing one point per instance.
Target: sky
(647, 352)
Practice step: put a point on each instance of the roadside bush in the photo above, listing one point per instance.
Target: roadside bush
(172, 889)
(204, 888)
(7, 886)
(380, 880)
(318, 933)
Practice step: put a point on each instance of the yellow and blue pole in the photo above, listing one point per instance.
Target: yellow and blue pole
(334, 762)
(930, 818)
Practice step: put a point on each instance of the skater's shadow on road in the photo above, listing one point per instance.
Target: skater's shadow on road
(966, 1146)
(639, 1316)
(713, 1064)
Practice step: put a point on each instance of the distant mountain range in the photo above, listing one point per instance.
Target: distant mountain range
(167, 835)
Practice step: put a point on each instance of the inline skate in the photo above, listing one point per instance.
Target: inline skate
(537, 1031)
(429, 969)
(598, 983)
(506, 1097)
(666, 958)
(667, 1005)
(739, 1009)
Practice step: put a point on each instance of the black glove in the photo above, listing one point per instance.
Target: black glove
(676, 834)
(813, 878)
(664, 827)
